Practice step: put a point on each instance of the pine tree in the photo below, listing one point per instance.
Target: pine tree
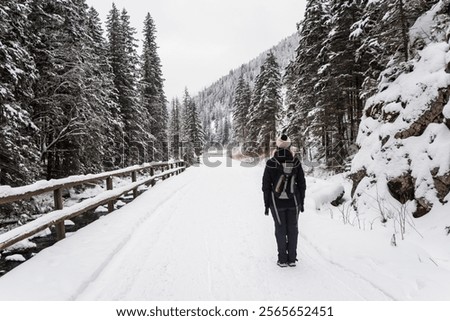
(175, 129)
(152, 93)
(393, 28)
(102, 97)
(66, 106)
(184, 115)
(266, 104)
(340, 85)
(19, 156)
(241, 106)
(226, 131)
(123, 57)
(370, 53)
(303, 76)
(193, 135)
(383, 31)
(195, 129)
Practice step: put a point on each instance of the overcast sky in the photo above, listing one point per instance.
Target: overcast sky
(202, 40)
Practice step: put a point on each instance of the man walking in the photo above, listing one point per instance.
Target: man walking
(284, 192)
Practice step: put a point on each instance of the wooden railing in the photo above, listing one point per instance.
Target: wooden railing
(60, 214)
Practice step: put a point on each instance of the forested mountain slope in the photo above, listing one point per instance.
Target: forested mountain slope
(215, 102)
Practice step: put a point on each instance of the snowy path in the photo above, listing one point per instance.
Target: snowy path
(211, 241)
(201, 235)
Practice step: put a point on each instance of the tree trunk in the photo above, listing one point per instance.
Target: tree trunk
(404, 27)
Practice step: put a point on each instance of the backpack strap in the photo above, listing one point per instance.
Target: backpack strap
(276, 209)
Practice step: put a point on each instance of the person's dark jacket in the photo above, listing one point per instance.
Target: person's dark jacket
(273, 171)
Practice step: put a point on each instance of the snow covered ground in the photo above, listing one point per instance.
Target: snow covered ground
(202, 235)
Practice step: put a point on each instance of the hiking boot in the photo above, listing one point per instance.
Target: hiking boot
(282, 264)
(292, 263)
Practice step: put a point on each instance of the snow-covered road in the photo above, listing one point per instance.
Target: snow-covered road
(201, 235)
(211, 241)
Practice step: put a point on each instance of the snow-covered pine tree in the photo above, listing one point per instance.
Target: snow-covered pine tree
(193, 135)
(65, 107)
(175, 129)
(254, 118)
(266, 105)
(46, 25)
(226, 131)
(103, 95)
(340, 85)
(241, 106)
(384, 36)
(302, 76)
(187, 152)
(19, 157)
(152, 93)
(393, 28)
(370, 52)
(124, 59)
(195, 130)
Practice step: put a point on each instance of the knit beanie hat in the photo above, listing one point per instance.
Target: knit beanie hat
(283, 142)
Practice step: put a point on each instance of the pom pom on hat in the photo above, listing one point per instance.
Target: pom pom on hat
(283, 142)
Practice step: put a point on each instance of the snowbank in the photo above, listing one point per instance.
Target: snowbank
(324, 192)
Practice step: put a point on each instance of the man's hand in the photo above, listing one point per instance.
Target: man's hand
(266, 212)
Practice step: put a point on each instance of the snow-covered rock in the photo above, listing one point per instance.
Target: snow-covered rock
(324, 192)
(101, 209)
(69, 223)
(25, 244)
(16, 258)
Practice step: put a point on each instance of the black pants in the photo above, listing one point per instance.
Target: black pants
(286, 233)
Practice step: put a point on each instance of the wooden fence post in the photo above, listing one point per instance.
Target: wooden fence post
(133, 179)
(152, 173)
(109, 187)
(60, 227)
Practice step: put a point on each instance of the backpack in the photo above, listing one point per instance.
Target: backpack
(285, 186)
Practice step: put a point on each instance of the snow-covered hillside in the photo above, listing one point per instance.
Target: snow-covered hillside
(202, 235)
(403, 166)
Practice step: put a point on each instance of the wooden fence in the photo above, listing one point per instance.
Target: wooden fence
(60, 214)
